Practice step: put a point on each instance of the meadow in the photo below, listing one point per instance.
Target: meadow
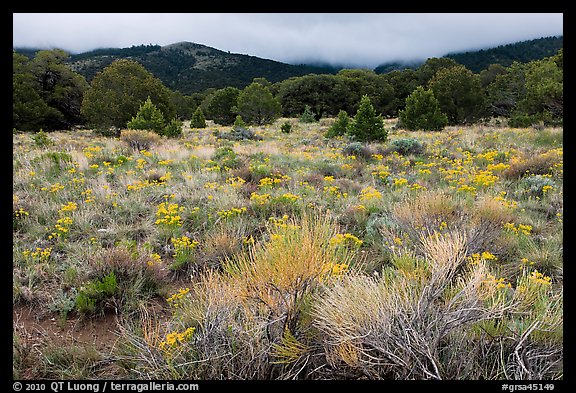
(434, 255)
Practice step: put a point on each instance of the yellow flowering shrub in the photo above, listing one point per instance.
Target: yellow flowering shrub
(173, 339)
(169, 214)
(369, 194)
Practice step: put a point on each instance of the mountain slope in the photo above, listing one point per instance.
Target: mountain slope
(476, 61)
(523, 52)
(189, 67)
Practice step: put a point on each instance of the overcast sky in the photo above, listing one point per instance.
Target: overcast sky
(352, 39)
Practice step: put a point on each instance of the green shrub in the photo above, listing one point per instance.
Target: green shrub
(41, 139)
(307, 116)
(340, 126)
(91, 296)
(286, 127)
(149, 117)
(173, 129)
(407, 146)
(198, 120)
(239, 122)
(226, 157)
(520, 120)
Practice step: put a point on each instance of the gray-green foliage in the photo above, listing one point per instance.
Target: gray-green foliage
(357, 149)
(407, 146)
(308, 115)
(535, 184)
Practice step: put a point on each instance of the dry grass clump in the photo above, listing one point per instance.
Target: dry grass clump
(282, 272)
(223, 242)
(482, 220)
(140, 139)
(396, 326)
(487, 217)
(427, 211)
(414, 320)
(534, 164)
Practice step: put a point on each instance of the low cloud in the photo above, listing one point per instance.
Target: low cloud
(353, 39)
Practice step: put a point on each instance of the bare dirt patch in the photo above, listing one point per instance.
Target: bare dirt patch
(99, 332)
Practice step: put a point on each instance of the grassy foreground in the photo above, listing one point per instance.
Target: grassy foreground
(436, 255)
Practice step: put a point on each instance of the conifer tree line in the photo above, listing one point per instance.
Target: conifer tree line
(48, 95)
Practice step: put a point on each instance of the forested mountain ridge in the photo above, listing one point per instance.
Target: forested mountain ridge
(189, 67)
(505, 55)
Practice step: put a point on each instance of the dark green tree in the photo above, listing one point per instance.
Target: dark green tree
(185, 105)
(239, 122)
(544, 98)
(507, 90)
(325, 94)
(173, 129)
(340, 125)
(149, 117)
(29, 111)
(263, 81)
(117, 92)
(360, 82)
(59, 86)
(427, 71)
(460, 94)
(198, 120)
(367, 125)
(219, 105)
(46, 93)
(488, 75)
(422, 112)
(403, 83)
(257, 105)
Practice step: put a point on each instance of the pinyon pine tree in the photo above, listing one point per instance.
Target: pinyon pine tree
(149, 117)
(340, 126)
(366, 125)
(198, 120)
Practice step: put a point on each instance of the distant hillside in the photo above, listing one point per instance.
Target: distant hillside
(189, 67)
(396, 66)
(523, 52)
